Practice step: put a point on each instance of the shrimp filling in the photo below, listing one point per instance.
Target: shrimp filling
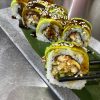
(63, 66)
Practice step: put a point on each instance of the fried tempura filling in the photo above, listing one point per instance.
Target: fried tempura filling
(75, 37)
(63, 66)
(52, 32)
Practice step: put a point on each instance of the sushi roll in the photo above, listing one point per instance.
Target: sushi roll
(33, 12)
(18, 5)
(58, 13)
(64, 59)
(48, 30)
(17, 8)
(78, 30)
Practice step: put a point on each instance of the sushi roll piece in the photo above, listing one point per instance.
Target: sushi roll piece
(78, 30)
(58, 13)
(48, 30)
(33, 12)
(64, 59)
(17, 8)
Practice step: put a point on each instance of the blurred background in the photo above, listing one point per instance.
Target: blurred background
(4, 3)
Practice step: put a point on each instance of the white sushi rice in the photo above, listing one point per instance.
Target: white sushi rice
(41, 37)
(70, 84)
(14, 9)
(39, 34)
